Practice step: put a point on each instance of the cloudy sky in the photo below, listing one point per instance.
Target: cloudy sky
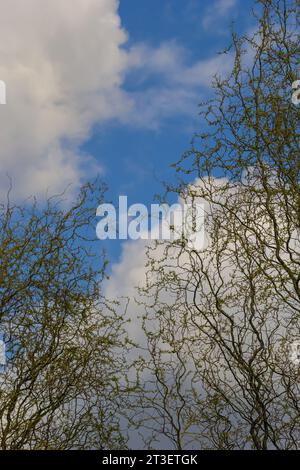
(106, 87)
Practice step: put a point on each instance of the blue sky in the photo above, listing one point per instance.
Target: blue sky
(137, 159)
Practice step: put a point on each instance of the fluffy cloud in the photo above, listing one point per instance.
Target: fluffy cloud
(63, 65)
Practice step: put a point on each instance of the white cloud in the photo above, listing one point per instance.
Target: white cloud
(63, 66)
(169, 61)
(217, 12)
(181, 85)
(130, 272)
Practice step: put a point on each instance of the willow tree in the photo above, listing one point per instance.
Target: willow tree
(221, 368)
(62, 384)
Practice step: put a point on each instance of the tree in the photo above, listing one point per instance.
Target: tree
(62, 386)
(218, 369)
